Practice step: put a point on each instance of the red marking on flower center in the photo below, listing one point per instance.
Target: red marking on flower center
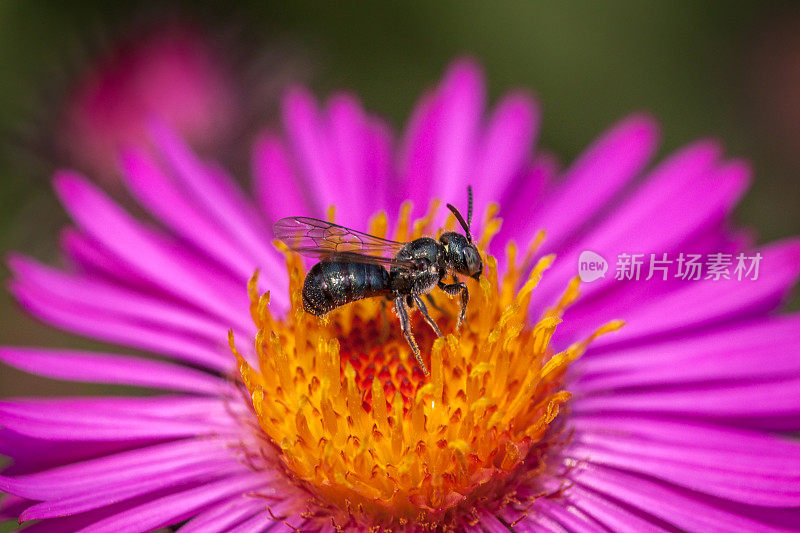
(379, 352)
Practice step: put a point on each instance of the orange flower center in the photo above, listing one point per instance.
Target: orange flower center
(356, 423)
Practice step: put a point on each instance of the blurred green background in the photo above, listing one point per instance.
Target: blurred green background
(725, 69)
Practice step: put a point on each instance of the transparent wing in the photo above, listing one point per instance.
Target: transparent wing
(317, 238)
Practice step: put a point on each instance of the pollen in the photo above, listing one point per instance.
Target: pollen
(352, 419)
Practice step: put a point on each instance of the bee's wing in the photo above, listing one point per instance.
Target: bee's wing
(317, 238)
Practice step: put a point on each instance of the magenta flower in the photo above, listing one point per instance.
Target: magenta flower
(671, 423)
(171, 71)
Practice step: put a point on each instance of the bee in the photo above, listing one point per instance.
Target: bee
(356, 265)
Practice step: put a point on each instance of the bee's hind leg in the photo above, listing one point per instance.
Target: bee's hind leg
(424, 310)
(405, 325)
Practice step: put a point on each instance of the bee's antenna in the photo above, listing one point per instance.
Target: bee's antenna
(461, 221)
(469, 209)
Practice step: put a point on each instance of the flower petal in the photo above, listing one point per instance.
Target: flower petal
(121, 331)
(346, 124)
(118, 469)
(672, 505)
(118, 419)
(566, 514)
(741, 477)
(216, 194)
(279, 191)
(155, 191)
(462, 94)
(601, 172)
(224, 515)
(101, 496)
(176, 507)
(90, 257)
(505, 147)
(707, 302)
(106, 368)
(104, 221)
(696, 359)
(614, 516)
(754, 399)
(111, 299)
(304, 129)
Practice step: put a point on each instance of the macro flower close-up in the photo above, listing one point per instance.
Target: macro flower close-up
(597, 346)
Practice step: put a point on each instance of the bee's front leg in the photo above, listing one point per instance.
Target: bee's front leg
(453, 289)
(405, 325)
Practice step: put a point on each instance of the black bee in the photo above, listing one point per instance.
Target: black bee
(354, 266)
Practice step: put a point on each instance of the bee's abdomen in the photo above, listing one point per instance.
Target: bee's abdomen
(330, 284)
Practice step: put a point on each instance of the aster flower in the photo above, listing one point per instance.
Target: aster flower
(211, 94)
(171, 71)
(543, 414)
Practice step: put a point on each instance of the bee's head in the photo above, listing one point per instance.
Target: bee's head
(462, 253)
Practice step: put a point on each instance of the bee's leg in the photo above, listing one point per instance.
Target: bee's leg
(405, 324)
(424, 310)
(453, 289)
(436, 306)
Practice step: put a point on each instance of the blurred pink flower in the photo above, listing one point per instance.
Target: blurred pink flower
(171, 72)
(675, 421)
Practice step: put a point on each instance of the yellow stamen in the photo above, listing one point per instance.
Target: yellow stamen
(357, 424)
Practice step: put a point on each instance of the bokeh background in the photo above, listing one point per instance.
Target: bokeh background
(725, 69)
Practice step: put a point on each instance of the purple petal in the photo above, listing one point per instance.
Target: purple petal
(522, 198)
(121, 331)
(707, 302)
(114, 300)
(379, 154)
(504, 149)
(104, 221)
(744, 477)
(119, 469)
(224, 515)
(117, 419)
(96, 497)
(304, 130)
(462, 96)
(90, 257)
(681, 195)
(615, 517)
(681, 432)
(179, 506)
(107, 368)
(735, 400)
(488, 522)
(215, 193)
(597, 176)
(729, 354)
(33, 455)
(262, 522)
(672, 505)
(155, 191)
(279, 192)
(346, 123)
(566, 514)
(417, 156)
